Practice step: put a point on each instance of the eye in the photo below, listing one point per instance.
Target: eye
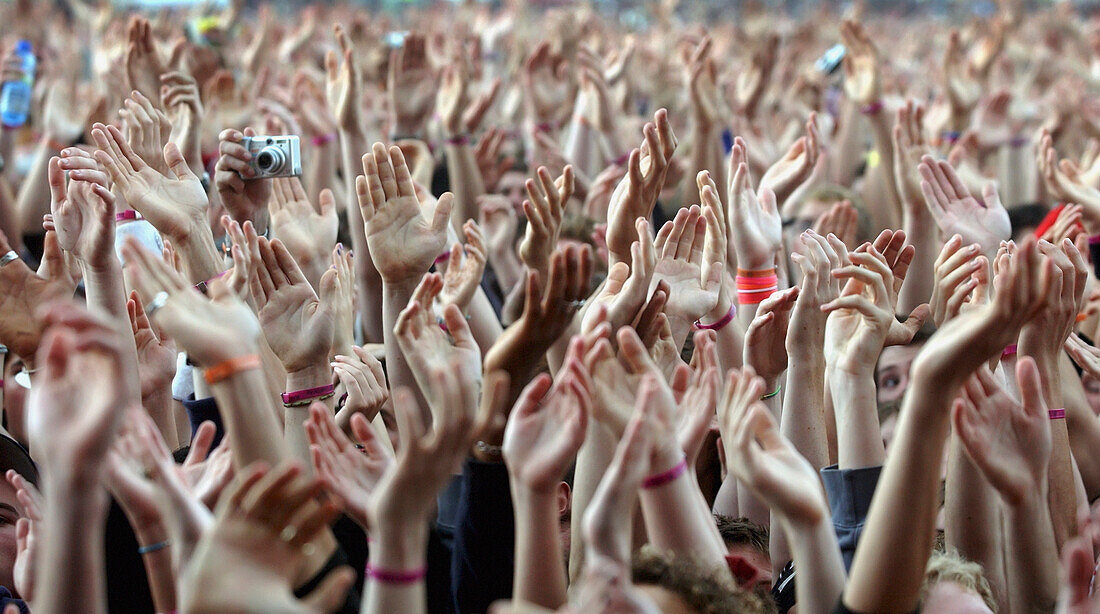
(892, 381)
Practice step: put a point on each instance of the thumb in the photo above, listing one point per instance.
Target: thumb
(175, 161)
(442, 214)
(332, 591)
(1031, 387)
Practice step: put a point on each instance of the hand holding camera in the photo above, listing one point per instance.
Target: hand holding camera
(245, 157)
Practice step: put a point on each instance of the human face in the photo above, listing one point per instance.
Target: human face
(1092, 392)
(10, 512)
(945, 597)
(511, 187)
(892, 372)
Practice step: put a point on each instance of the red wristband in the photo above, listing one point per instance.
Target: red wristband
(303, 397)
(396, 576)
(720, 324)
(660, 479)
(128, 214)
(1057, 414)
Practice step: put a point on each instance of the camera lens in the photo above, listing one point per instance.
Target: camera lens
(270, 160)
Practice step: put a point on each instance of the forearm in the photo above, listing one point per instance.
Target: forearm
(466, 183)
(368, 281)
(803, 419)
(70, 566)
(674, 523)
(1084, 433)
(592, 461)
(1063, 495)
(33, 199)
(704, 155)
(972, 519)
(321, 172)
(484, 325)
(199, 254)
(582, 147)
(540, 571)
(507, 267)
(858, 435)
(10, 222)
(1031, 556)
(883, 171)
(921, 232)
(249, 419)
(888, 568)
(397, 547)
(161, 409)
(294, 430)
(849, 154)
(725, 502)
(820, 568)
(394, 299)
(158, 567)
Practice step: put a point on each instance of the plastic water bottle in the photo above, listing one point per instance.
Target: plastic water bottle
(15, 97)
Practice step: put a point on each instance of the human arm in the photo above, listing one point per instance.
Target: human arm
(916, 217)
(889, 564)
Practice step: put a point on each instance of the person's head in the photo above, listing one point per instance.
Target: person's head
(954, 584)
(680, 586)
(748, 555)
(892, 370)
(12, 456)
(511, 187)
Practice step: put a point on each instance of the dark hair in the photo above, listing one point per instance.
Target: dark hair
(704, 591)
(743, 532)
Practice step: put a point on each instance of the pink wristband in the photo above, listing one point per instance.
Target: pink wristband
(324, 139)
(1094, 239)
(1057, 414)
(300, 397)
(396, 576)
(871, 109)
(440, 259)
(720, 324)
(458, 139)
(128, 214)
(660, 479)
(1009, 350)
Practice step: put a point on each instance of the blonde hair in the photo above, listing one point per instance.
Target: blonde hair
(951, 567)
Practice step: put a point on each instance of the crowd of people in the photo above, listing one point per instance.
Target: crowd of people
(667, 310)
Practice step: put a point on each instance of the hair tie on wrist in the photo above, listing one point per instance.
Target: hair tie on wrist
(153, 547)
(664, 477)
(232, 366)
(1057, 414)
(720, 324)
(873, 108)
(772, 393)
(396, 576)
(300, 398)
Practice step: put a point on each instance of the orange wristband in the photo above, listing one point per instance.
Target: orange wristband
(232, 367)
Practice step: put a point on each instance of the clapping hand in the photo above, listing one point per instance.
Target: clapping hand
(349, 475)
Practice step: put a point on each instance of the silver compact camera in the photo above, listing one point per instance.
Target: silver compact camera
(274, 156)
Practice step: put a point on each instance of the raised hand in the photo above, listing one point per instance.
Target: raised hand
(860, 318)
(465, 267)
(73, 410)
(862, 80)
(26, 536)
(909, 149)
(210, 331)
(180, 93)
(962, 279)
(144, 65)
(309, 233)
(794, 168)
(155, 350)
(756, 231)
(544, 208)
(174, 205)
(1068, 185)
(693, 283)
(765, 339)
(957, 212)
(349, 475)
(428, 346)
(762, 458)
(411, 86)
(25, 292)
(1084, 355)
(963, 90)
(705, 101)
(262, 532)
(1009, 441)
(296, 322)
(624, 292)
(365, 383)
(243, 199)
(147, 130)
(404, 239)
(546, 428)
(83, 213)
(342, 84)
(637, 193)
(548, 92)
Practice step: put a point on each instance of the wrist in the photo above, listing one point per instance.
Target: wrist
(719, 311)
(308, 377)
